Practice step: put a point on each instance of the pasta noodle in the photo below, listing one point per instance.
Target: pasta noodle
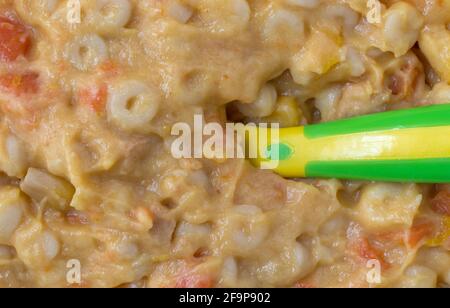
(112, 14)
(11, 213)
(349, 17)
(87, 51)
(37, 10)
(419, 277)
(401, 27)
(379, 207)
(264, 105)
(295, 262)
(283, 22)
(244, 229)
(132, 105)
(179, 11)
(433, 41)
(13, 158)
(36, 246)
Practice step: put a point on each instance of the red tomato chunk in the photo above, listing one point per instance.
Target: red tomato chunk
(441, 203)
(95, 98)
(20, 84)
(15, 39)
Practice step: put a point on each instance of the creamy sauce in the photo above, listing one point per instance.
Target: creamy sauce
(85, 134)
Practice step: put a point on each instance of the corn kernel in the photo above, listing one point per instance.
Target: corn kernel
(287, 114)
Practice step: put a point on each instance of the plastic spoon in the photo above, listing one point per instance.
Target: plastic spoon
(401, 146)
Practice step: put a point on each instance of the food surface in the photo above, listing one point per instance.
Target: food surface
(90, 91)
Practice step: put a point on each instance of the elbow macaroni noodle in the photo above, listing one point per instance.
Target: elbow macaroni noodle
(91, 93)
(132, 104)
(87, 51)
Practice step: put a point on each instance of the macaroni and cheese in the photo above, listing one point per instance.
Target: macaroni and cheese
(87, 102)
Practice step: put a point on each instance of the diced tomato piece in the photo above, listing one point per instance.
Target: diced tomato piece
(441, 203)
(367, 251)
(360, 245)
(15, 39)
(181, 274)
(188, 276)
(95, 98)
(194, 281)
(110, 68)
(20, 84)
(396, 237)
(419, 232)
(412, 237)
